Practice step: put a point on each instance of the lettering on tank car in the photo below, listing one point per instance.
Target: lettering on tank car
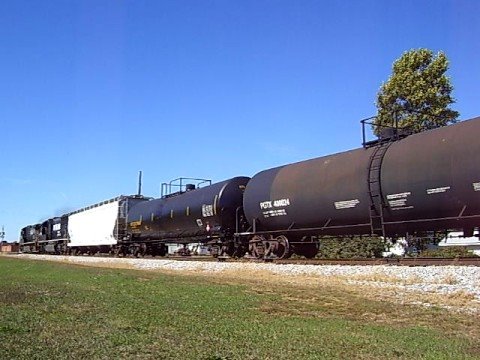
(346, 204)
(273, 207)
(399, 201)
(476, 186)
(438, 190)
(281, 203)
(399, 195)
(266, 205)
(402, 208)
(207, 210)
(274, 204)
(273, 213)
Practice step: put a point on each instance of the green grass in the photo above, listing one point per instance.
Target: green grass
(58, 311)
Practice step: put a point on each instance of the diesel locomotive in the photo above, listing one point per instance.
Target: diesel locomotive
(397, 186)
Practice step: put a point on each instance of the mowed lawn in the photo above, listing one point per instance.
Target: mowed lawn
(61, 311)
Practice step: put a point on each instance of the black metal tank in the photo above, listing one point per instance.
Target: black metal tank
(191, 216)
(431, 180)
(426, 181)
(329, 192)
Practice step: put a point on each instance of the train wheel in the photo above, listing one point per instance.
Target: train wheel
(228, 250)
(134, 252)
(142, 250)
(163, 250)
(119, 251)
(240, 251)
(256, 247)
(234, 250)
(282, 247)
(215, 251)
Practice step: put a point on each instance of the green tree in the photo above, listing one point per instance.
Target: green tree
(417, 94)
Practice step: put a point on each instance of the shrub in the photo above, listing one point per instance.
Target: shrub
(348, 248)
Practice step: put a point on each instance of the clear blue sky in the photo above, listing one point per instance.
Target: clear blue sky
(91, 92)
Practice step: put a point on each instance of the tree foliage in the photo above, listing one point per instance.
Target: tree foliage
(417, 94)
(348, 248)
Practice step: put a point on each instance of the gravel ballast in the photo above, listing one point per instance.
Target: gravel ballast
(433, 280)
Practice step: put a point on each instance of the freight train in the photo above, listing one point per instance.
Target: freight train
(397, 186)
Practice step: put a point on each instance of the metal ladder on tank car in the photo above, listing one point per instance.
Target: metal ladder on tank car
(377, 204)
(121, 224)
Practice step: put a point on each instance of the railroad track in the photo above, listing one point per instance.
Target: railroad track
(473, 261)
(464, 261)
(418, 261)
